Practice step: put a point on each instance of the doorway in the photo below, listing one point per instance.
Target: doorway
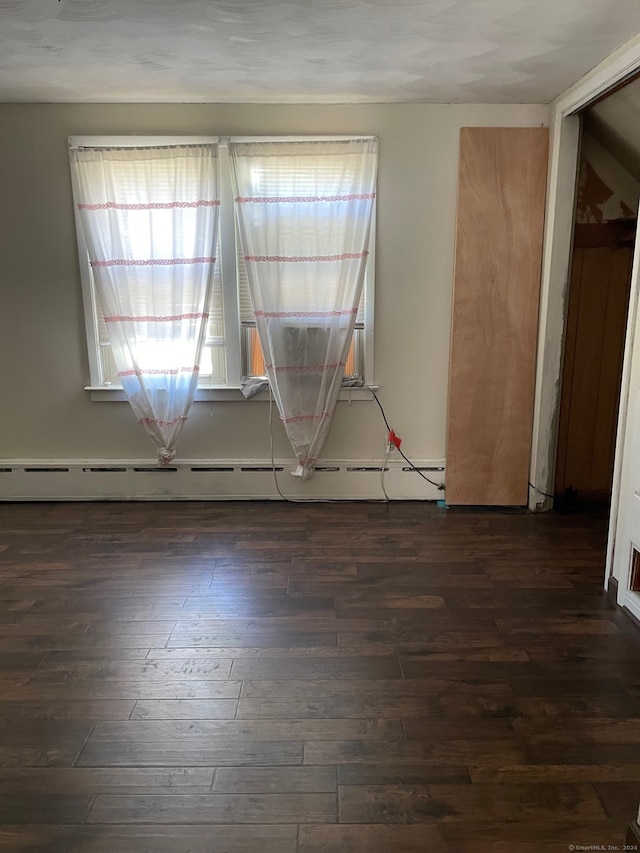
(598, 300)
(616, 73)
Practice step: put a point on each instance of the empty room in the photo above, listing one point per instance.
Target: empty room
(319, 459)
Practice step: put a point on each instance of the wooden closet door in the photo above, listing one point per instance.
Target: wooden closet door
(592, 371)
(501, 195)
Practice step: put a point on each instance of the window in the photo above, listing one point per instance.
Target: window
(253, 364)
(231, 348)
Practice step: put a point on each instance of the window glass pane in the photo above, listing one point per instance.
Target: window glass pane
(298, 183)
(212, 362)
(254, 360)
(212, 365)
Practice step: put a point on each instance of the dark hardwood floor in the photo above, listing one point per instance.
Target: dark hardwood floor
(321, 678)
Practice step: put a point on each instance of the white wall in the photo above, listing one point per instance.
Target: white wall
(47, 414)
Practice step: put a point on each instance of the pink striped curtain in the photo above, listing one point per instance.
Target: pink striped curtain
(149, 217)
(304, 211)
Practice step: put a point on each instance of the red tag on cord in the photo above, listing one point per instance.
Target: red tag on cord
(394, 439)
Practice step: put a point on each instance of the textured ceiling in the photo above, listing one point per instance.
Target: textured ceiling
(314, 51)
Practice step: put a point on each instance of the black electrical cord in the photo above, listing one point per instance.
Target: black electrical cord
(384, 417)
(439, 486)
(540, 492)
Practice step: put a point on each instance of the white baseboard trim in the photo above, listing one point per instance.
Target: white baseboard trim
(632, 603)
(214, 479)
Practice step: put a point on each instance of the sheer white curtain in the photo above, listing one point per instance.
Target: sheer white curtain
(149, 217)
(305, 217)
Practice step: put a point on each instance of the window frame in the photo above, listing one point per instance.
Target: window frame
(227, 260)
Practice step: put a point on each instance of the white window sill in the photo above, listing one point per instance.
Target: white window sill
(115, 394)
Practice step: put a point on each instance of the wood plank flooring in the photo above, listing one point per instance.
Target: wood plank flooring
(322, 678)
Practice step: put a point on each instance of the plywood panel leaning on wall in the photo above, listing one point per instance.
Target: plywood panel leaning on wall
(501, 194)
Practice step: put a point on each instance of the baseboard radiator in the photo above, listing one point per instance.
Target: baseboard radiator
(249, 479)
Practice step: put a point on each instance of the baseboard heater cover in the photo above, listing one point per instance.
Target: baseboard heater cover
(242, 479)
